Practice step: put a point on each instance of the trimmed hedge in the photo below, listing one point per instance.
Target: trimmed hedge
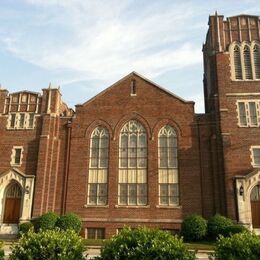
(217, 226)
(239, 246)
(49, 244)
(194, 228)
(144, 243)
(69, 221)
(46, 221)
(25, 227)
(234, 229)
(2, 253)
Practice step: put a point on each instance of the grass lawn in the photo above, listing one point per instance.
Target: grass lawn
(94, 242)
(202, 245)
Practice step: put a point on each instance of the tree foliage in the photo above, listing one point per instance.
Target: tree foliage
(239, 246)
(145, 244)
(194, 228)
(217, 225)
(69, 221)
(2, 253)
(49, 244)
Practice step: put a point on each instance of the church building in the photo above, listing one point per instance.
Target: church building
(137, 154)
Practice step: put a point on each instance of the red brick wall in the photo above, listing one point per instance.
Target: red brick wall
(154, 108)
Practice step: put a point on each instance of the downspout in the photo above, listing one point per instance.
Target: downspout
(66, 175)
(201, 170)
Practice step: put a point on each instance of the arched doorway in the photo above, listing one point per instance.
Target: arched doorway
(255, 206)
(12, 204)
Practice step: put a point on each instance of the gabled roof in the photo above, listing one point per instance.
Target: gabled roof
(17, 171)
(143, 78)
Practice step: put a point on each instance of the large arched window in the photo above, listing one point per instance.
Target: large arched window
(256, 54)
(132, 185)
(98, 167)
(247, 62)
(237, 62)
(168, 167)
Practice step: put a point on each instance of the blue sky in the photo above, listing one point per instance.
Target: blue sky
(84, 46)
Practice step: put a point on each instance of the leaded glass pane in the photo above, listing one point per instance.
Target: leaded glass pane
(242, 114)
(14, 191)
(256, 153)
(92, 199)
(133, 155)
(253, 115)
(31, 120)
(99, 144)
(247, 63)
(12, 120)
(123, 162)
(21, 121)
(255, 193)
(124, 140)
(168, 173)
(132, 192)
(142, 194)
(237, 63)
(141, 162)
(163, 200)
(256, 53)
(102, 194)
(17, 157)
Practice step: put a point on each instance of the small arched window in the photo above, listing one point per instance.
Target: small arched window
(168, 167)
(247, 62)
(256, 53)
(132, 185)
(98, 167)
(237, 62)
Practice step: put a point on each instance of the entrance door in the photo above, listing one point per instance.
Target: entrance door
(12, 204)
(255, 206)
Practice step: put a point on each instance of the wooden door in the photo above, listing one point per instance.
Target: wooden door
(12, 204)
(12, 210)
(255, 209)
(255, 206)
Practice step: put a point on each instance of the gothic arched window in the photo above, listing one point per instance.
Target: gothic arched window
(247, 63)
(237, 62)
(98, 167)
(256, 54)
(132, 184)
(168, 167)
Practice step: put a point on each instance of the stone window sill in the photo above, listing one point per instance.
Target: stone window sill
(133, 206)
(168, 207)
(96, 206)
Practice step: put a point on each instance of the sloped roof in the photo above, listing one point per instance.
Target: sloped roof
(143, 78)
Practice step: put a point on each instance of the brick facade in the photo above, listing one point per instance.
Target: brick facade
(213, 151)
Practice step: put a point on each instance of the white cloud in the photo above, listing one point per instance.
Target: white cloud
(106, 39)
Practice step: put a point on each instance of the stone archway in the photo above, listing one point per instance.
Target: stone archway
(12, 203)
(10, 213)
(255, 206)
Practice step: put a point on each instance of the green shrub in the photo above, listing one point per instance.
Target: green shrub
(25, 227)
(144, 243)
(217, 225)
(49, 244)
(69, 221)
(194, 228)
(239, 246)
(234, 229)
(46, 221)
(2, 253)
